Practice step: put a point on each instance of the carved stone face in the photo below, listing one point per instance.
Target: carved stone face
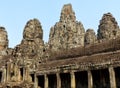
(3, 38)
(33, 30)
(67, 9)
(108, 28)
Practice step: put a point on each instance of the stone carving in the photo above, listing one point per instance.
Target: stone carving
(108, 28)
(67, 33)
(3, 42)
(33, 30)
(90, 37)
(3, 38)
(33, 64)
(31, 51)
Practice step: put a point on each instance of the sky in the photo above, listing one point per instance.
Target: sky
(15, 13)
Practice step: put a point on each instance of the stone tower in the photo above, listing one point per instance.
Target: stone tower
(67, 33)
(90, 37)
(3, 42)
(3, 39)
(108, 28)
(32, 45)
(33, 30)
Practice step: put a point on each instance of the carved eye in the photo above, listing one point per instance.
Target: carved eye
(43, 50)
(114, 32)
(32, 51)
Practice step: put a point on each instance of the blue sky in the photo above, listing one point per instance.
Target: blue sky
(15, 13)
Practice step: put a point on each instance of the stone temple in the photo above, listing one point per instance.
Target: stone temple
(72, 58)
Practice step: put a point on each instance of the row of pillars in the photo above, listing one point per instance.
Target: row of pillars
(73, 80)
(111, 76)
(20, 74)
(46, 83)
(6, 77)
(5, 74)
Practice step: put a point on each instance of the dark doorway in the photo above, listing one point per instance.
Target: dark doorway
(41, 81)
(32, 76)
(65, 80)
(21, 72)
(101, 78)
(81, 79)
(52, 81)
(0, 77)
(117, 76)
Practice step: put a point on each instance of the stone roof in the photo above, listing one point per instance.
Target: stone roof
(92, 62)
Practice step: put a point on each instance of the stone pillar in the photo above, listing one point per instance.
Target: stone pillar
(15, 70)
(8, 71)
(112, 77)
(90, 80)
(24, 72)
(46, 81)
(3, 75)
(58, 80)
(27, 75)
(19, 75)
(35, 81)
(73, 84)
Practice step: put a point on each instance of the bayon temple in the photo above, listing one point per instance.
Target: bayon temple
(72, 58)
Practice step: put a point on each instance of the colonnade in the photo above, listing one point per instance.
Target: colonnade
(72, 79)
